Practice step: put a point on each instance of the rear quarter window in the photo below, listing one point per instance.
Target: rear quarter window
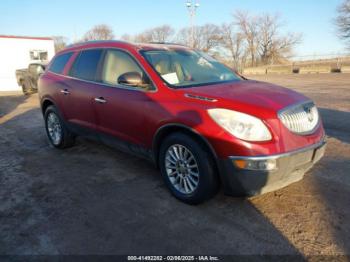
(60, 62)
(86, 65)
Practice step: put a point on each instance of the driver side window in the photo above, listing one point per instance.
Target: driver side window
(118, 63)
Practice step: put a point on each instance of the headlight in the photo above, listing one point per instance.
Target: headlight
(240, 125)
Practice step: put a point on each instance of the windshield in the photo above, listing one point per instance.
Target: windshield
(185, 68)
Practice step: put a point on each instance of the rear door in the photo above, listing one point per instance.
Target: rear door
(80, 90)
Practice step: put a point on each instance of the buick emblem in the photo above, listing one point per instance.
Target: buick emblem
(308, 111)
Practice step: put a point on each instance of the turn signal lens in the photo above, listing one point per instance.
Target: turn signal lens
(240, 163)
(261, 165)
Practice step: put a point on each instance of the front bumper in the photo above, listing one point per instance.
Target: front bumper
(291, 168)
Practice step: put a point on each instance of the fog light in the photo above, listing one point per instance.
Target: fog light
(264, 165)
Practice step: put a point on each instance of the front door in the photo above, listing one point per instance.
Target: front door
(121, 109)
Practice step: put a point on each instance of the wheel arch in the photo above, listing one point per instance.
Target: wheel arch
(168, 129)
(45, 104)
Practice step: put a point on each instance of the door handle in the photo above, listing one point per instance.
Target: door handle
(65, 92)
(100, 100)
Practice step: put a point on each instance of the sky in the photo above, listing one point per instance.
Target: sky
(72, 18)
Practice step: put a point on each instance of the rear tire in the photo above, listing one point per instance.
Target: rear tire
(191, 178)
(57, 132)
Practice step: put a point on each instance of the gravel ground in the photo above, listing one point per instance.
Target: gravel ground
(91, 199)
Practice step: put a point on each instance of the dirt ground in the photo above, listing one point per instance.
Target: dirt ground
(91, 199)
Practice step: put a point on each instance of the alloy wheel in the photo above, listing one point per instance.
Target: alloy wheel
(54, 128)
(182, 169)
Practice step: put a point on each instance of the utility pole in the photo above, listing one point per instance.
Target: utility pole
(192, 6)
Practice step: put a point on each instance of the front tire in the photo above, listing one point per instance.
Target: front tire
(25, 89)
(188, 169)
(56, 130)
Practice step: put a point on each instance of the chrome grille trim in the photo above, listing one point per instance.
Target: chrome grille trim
(302, 119)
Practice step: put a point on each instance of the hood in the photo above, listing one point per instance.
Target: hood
(252, 96)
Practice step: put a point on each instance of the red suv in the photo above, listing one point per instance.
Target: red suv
(198, 121)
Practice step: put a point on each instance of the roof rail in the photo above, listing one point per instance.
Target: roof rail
(167, 43)
(94, 42)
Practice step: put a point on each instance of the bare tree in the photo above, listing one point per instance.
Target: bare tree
(144, 37)
(183, 36)
(99, 32)
(268, 26)
(249, 27)
(233, 42)
(163, 33)
(264, 42)
(60, 43)
(274, 47)
(247, 39)
(283, 46)
(206, 37)
(343, 21)
(127, 37)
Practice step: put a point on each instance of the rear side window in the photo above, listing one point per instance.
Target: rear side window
(85, 66)
(60, 62)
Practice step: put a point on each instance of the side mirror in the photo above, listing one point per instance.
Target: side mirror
(132, 79)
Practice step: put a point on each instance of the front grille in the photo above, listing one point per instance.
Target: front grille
(301, 119)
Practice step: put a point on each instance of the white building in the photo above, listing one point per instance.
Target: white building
(17, 52)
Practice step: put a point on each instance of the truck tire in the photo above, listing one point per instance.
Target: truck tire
(25, 88)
